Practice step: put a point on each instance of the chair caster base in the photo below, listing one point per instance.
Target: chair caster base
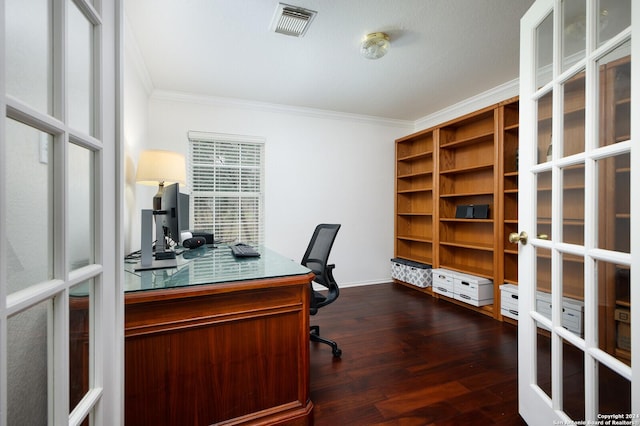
(314, 334)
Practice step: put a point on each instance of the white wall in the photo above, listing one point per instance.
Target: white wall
(137, 87)
(320, 167)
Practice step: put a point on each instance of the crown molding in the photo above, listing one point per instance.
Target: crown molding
(174, 96)
(493, 96)
(497, 94)
(135, 58)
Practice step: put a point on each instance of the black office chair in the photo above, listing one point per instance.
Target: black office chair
(316, 258)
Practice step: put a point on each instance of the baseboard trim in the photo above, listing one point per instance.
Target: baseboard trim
(319, 287)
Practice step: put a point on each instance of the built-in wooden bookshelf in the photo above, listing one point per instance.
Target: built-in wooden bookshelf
(508, 191)
(454, 164)
(474, 160)
(414, 197)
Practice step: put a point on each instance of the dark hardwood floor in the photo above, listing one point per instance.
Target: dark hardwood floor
(410, 359)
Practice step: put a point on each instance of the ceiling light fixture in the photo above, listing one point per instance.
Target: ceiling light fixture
(577, 27)
(375, 45)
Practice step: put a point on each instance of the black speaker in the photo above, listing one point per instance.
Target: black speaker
(464, 211)
(194, 242)
(472, 211)
(481, 211)
(208, 236)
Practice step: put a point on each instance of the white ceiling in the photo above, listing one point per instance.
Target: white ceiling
(442, 52)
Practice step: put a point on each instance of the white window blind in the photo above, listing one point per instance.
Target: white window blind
(226, 176)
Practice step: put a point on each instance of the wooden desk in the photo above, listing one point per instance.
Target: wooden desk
(218, 341)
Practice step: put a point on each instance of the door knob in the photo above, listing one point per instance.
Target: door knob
(522, 237)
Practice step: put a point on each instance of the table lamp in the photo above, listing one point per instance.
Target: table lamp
(157, 167)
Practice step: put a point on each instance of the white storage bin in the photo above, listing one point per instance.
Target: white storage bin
(443, 281)
(509, 301)
(572, 315)
(418, 274)
(572, 311)
(471, 289)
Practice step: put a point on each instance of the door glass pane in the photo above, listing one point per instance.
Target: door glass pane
(614, 16)
(29, 208)
(28, 31)
(544, 128)
(543, 221)
(544, 51)
(27, 368)
(573, 391)
(80, 331)
(614, 310)
(614, 203)
(614, 395)
(615, 96)
(573, 204)
(80, 73)
(81, 212)
(543, 277)
(544, 305)
(574, 35)
(543, 359)
(574, 121)
(573, 293)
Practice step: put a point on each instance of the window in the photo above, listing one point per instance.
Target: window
(226, 176)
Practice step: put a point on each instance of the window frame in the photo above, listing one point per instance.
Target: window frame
(249, 191)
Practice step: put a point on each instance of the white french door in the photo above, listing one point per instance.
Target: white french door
(61, 338)
(578, 94)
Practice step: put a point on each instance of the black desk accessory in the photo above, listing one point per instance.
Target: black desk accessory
(472, 211)
(194, 242)
(243, 250)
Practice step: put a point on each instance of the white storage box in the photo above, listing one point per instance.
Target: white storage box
(623, 336)
(572, 311)
(474, 290)
(443, 281)
(509, 301)
(418, 274)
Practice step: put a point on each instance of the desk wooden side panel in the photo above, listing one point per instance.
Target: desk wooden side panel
(219, 354)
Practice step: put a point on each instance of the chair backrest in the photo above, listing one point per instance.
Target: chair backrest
(316, 257)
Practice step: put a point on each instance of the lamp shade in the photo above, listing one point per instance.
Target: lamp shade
(158, 166)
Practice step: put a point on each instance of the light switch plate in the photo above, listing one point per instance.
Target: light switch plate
(44, 148)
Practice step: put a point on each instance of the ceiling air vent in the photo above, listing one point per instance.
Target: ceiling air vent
(292, 20)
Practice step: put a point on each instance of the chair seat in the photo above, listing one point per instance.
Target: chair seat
(318, 297)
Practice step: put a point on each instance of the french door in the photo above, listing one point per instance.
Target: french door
(578, 261)
(60, 292)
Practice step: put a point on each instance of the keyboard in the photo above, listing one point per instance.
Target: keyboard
(244, 250)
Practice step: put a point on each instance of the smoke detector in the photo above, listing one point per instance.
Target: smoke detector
(292, 20)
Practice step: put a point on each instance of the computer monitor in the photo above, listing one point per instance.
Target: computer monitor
(176, 204)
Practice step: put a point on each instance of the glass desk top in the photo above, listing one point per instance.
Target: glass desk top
(209, 266)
